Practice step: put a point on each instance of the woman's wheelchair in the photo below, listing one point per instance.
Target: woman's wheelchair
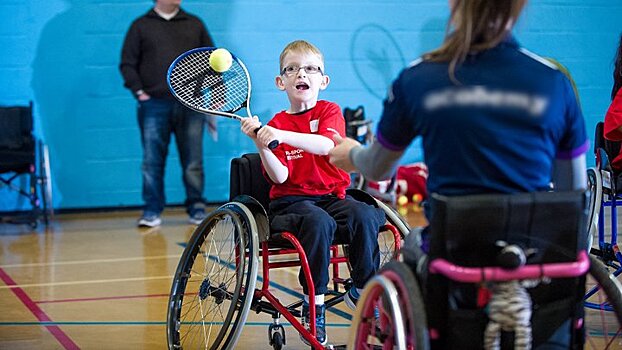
(502, 272)
(214, 286)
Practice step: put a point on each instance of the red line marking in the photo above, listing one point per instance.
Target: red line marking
(61, 336)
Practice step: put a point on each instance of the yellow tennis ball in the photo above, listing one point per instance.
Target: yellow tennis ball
(402, 200)
(403, 211)
(220, 60)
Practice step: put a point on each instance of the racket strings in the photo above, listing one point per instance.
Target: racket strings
(200, 87)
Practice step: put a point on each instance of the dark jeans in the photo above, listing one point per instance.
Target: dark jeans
(318, 221)
(158, 119)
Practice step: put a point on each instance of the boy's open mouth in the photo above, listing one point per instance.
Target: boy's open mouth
(302, 86)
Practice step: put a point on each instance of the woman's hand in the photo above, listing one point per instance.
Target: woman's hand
(340, 154)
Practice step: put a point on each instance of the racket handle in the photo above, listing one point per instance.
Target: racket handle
(273, 144)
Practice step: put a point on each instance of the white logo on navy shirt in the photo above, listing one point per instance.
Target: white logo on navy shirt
(480, 96)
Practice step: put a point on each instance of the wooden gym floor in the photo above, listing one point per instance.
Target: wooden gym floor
(96, 281)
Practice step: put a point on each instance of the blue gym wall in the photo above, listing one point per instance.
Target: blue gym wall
(64, 56)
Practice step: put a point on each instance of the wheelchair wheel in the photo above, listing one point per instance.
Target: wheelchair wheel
(215, 281)
(386, 240)
(595, 192)
(603, 308)
(358, 181)
(45, 183)
(402, 321)
(395, 219)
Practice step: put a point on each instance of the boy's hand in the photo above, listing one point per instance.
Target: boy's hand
(249, 125)
(267, 134)
(340, 154)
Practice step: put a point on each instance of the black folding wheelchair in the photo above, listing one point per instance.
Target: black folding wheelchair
(502, 272)
(214, 286)
(25, 163)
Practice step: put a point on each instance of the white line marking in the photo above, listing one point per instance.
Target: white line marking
(92, 261)
(115, 280)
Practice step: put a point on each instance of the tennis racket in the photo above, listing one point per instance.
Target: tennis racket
(197, 86)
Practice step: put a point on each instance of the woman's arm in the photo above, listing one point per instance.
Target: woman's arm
(375, 162)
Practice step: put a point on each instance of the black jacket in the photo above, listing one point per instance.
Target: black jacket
(152, 43)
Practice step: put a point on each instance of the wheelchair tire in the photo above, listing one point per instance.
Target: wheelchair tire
(45, 183)
(211, 296)
(402, 316)
(394, 218)
(603, 308)
(357, 180)
(595, 191)
(609, 285)
(277, 341)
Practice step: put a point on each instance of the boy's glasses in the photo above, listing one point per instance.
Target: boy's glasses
(293, 70)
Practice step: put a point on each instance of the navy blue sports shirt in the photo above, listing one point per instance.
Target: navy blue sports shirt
(498, 131)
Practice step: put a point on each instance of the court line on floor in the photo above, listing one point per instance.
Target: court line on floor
(72, 283)
(91, 261)
(58, 333)
(143, 323)
(280, 287)
(118, 297)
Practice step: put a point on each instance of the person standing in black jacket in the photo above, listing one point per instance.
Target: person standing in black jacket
(152, 42)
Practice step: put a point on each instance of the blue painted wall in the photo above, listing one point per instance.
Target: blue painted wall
(64, 56)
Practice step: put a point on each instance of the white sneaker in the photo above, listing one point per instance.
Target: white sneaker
(197, 216)
(149, 221)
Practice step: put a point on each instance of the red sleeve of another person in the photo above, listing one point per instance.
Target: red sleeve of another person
(613, 119)
(613, 124)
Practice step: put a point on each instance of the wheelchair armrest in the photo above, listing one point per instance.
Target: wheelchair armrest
(362, 196)
(259, 214)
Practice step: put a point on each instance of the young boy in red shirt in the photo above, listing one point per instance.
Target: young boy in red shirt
(308, 194)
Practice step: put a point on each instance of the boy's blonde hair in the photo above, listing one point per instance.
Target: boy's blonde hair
(299, 46)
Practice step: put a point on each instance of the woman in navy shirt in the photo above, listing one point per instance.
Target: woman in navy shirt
(494, 118)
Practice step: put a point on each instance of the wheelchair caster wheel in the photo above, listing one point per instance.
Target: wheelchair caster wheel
(277, 341)
(276, 336)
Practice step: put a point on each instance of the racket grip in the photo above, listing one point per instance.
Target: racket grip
(273, 144)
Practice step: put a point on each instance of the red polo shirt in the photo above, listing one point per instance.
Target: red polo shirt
(310, 174)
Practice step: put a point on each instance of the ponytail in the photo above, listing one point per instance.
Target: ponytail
(477, 25)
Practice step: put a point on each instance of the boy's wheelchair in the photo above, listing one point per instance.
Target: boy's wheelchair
(502, 272)
(24, 157)
(214, 286)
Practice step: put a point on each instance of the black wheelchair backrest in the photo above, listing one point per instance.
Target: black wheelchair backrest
(16, 127)
(612, 148)
(247, 178)
(466, 229)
